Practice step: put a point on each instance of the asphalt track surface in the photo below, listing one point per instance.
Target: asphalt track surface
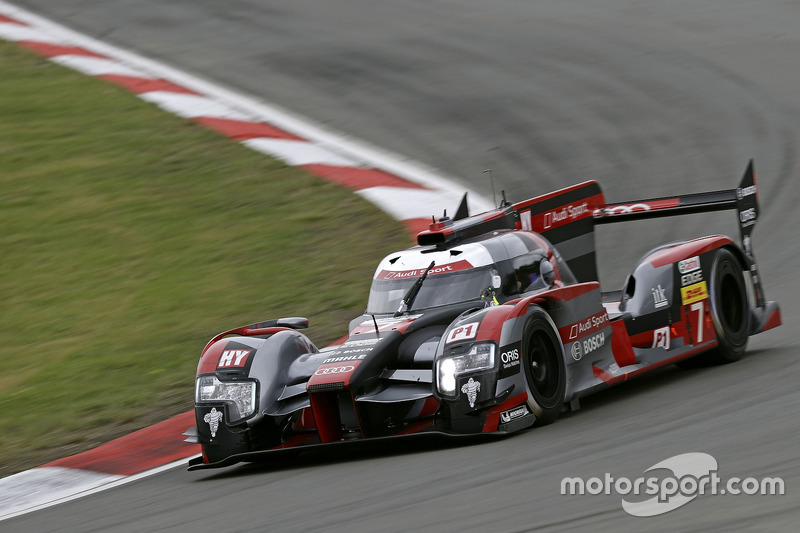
(648, 99)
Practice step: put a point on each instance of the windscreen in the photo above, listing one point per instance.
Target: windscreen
(437, 290)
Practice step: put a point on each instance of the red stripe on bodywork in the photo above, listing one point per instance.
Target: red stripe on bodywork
(608, 378)
(359, 178)
(241, 130)
(138, 85)
(521, 206)
(53, 50)
(774, 320)
(673, 254)
(621, 345)
(549, 220)
(493, 416)
(563, 294)
(141, 450)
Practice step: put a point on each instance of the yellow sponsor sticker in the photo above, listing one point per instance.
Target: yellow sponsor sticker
(694, 293)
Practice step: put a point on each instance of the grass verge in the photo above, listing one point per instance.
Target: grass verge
(129, 238)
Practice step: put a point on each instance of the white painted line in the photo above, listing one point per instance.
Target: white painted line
(262, 111)
(403, 203)
(31, 489)
(44, 487)
(192, 105)
(95, 66)
(16, 32)
(298, 152)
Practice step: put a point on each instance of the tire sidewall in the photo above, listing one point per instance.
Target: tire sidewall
(546, 412)
(727, 275)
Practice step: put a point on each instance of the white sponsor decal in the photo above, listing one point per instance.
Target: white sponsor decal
(213, 418)
(525, 218)
(590, 324)
(510, 358)
(334, 370)
(689, 265)
(690, 278)
(513, 414)
(576, 351)
(619, 209)
(471, 388)
(462, 333)
(661, 338)
(594, 342)
(342, 358)
(233, 358)
(570, 212)
(747, 217)
(745, 192)
(360, 342)
(659, 297)
(691, 475)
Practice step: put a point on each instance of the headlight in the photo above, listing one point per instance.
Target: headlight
(239, 395)
(448, 368)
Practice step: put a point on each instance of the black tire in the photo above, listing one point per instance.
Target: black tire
(730, 312)
(544, 367)
(730, 308)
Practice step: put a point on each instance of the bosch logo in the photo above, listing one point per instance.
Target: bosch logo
(334, 370)
(510, 356)
(577, 353)
(593, 343)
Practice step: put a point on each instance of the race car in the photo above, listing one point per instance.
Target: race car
(492, 324)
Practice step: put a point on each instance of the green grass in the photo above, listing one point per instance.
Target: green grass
(128, 238)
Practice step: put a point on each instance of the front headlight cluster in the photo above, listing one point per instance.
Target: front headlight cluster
(239, 395)
(448, 368)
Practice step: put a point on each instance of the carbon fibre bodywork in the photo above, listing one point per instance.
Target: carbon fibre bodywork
(506, 326)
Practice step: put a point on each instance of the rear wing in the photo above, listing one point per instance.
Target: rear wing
(567, 218)
(743, 199)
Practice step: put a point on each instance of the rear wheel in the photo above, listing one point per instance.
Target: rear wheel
(730, 309)
(730, 312)
(545, 371)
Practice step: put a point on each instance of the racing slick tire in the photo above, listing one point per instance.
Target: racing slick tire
(730, 309)
(544, 367)
(730, 312)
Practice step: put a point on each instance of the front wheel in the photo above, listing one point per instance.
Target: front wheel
(545, 369)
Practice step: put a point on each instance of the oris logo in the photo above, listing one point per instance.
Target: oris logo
(511, 356)
(334, 370)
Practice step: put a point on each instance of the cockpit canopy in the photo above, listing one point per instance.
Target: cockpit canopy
(499, 268)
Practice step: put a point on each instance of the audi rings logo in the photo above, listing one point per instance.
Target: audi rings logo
(619, 209)
(334, 370)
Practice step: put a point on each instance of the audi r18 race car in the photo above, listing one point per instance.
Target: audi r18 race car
(493, 323)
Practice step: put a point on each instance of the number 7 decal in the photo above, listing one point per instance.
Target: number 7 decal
(698, 306)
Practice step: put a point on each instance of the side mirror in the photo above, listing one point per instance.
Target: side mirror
(294, 322)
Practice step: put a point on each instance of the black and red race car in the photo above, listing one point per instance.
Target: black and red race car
(492, 324)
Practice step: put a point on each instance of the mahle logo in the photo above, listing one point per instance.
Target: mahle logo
(692, 475)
